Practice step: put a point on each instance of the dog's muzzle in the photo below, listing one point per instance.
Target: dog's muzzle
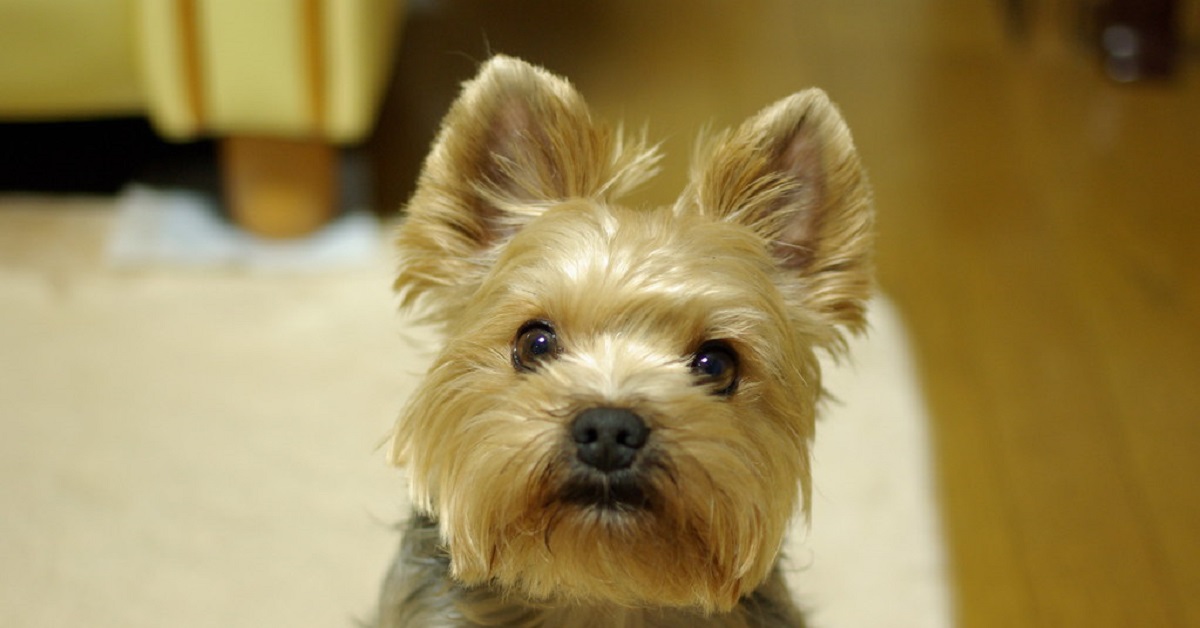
(608, 443)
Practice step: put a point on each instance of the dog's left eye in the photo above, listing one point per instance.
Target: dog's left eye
(716, 364)
(535, 342)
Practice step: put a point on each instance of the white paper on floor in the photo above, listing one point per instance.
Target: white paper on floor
(184, 229)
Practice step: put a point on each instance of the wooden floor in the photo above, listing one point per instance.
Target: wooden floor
(1039, 228)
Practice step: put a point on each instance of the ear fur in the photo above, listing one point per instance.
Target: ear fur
(516, 141)
(791, 174)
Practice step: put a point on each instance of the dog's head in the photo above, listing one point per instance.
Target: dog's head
(623, 406)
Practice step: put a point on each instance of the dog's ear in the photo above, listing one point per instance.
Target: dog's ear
(516, 141)
(791, 173)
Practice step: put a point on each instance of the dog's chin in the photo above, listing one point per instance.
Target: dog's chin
(658, 533)
(620, 495)
(608, 541)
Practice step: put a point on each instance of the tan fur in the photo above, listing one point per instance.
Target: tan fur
(516, 219)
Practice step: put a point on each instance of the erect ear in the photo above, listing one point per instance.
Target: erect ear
(791, 174)
(517, 141)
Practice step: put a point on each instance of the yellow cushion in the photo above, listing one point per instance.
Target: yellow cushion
(294, 68)
(67, 58)
(298, 68)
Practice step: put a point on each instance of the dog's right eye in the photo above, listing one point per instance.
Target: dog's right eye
(535, 343)
(716, 365)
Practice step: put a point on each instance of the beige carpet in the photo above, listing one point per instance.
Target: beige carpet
(198, 447)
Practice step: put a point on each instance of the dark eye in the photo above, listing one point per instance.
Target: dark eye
(535, 343)
(716, 365)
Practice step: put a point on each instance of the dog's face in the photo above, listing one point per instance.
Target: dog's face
(624, 403)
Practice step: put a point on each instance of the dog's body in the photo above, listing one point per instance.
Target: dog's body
(616, 430)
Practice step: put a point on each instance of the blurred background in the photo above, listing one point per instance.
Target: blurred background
(1036, 168)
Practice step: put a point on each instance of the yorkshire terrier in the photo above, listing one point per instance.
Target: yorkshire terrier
(616, 430)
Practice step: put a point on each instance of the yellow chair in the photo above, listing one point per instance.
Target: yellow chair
(281, 82)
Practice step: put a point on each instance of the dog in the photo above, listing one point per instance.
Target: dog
(616, 429)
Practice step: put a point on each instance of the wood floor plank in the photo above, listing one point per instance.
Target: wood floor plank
(1117, 165)
(1063, 454)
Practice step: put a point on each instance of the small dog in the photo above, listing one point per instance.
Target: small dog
(616, 431)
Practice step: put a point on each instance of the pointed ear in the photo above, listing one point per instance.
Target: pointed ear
(791, 174)
(517, 141)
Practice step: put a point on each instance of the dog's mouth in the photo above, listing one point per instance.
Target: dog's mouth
(615, 492)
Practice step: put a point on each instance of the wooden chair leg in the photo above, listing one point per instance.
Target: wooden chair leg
(279, 188)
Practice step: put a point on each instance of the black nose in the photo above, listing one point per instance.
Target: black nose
(608, 439)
